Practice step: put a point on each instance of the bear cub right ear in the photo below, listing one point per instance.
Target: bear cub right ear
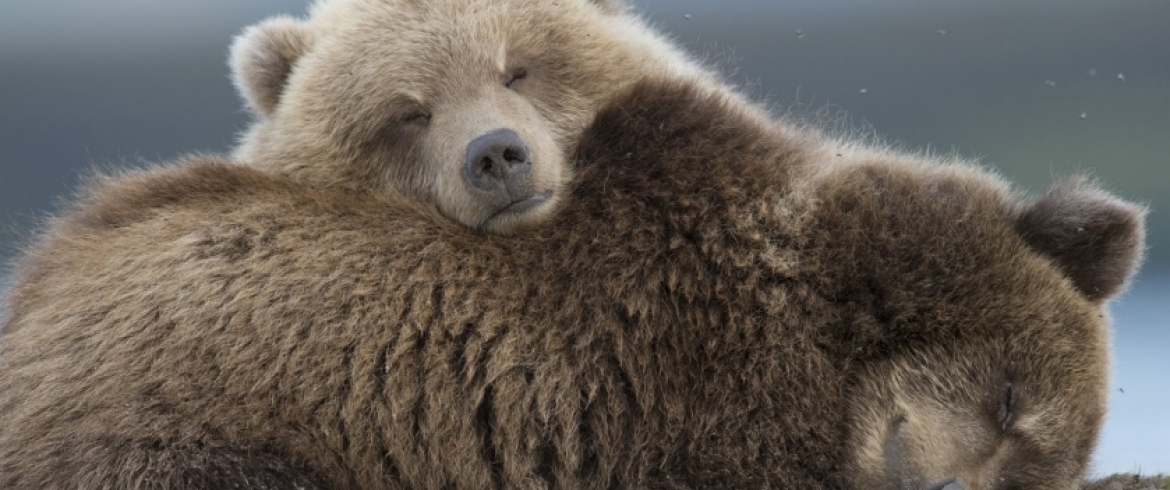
(262, 57)
(1096, 239)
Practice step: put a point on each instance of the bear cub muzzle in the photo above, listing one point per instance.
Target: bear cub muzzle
(499, 165)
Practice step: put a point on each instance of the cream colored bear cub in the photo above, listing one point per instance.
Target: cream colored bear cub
(474, 110)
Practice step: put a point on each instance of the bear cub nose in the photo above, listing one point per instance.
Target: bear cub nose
(498, 159)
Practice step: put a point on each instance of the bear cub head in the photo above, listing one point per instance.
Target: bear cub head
(474, 107)
(1010, 389)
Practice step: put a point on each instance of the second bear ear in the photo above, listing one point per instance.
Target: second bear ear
(1096, 239)
(262, 57)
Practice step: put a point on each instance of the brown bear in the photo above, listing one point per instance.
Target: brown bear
(716, 305)
(471, 106)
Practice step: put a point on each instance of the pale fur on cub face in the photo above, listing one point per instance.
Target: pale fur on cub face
(390, 95)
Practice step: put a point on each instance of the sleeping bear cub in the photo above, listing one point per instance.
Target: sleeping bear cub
(474, 107)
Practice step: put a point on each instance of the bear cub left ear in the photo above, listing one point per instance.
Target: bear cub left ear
(1096, 239)
(263, 56)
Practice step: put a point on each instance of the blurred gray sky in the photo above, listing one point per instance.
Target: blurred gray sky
(1039, 89)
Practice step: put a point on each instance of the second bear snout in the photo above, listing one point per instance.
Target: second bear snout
(499, 161)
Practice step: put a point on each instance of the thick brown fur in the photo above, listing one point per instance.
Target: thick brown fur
(714, 307)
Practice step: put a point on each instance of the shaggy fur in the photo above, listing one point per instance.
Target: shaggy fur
(387, 95)
(714, 307)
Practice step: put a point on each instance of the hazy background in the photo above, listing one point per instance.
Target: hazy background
(1038, 89)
